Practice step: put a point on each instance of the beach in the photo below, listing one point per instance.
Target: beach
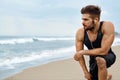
(67, 69)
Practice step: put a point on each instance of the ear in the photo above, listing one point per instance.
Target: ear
(96, 19)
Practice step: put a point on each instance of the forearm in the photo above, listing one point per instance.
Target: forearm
(82, 63)
(97, 51)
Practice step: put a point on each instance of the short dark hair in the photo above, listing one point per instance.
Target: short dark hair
(93, 10)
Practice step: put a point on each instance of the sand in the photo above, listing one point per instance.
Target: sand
(68, 69)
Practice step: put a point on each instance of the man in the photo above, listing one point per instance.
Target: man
(98, 37)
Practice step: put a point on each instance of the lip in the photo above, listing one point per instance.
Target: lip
(84, 26)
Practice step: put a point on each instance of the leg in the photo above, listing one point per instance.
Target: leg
(102, 69)
(81, 60)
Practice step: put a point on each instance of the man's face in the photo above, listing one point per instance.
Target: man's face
(87, 22)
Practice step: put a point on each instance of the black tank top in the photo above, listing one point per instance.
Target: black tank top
(97, 42)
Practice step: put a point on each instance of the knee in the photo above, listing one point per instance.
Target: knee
(77, 57)
(101, 62)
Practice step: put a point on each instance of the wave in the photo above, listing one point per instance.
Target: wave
(16, 41)
(30, 40)
(53, 39)
(45, 39)
(116, 41)
(40, 56)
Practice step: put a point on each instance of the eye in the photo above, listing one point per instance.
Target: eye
(85, 19)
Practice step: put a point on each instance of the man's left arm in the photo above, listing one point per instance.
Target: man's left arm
(107, 40)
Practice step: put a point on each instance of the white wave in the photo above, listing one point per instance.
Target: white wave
(15, 41)
(116, 41)
(53, 38)
(44, 55)
(30, 40)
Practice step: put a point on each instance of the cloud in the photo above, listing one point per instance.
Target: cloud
(43, 17)
(37, 26)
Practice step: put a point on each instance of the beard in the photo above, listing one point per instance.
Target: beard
(92, 27)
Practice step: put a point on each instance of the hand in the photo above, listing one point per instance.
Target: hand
(78, 55)
(81, 52)
(88, 76)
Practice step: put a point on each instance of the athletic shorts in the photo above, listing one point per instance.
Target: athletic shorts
(110, 59)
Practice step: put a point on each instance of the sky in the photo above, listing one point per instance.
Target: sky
(50, 17)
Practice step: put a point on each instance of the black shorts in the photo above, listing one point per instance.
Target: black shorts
(110, 59)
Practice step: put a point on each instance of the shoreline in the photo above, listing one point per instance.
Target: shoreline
(67, 69)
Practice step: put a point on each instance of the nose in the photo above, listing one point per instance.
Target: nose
(82, 21)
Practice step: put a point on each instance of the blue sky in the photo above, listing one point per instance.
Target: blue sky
(50, 17)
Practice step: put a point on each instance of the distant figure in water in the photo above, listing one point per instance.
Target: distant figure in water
(98, 37)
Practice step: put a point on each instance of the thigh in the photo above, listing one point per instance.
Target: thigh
(110, 59)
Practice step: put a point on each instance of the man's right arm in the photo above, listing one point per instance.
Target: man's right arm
(79, 46)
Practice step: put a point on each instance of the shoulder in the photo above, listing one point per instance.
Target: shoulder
(80, 31)
(107, 23)
(108, 26)
(80, 34)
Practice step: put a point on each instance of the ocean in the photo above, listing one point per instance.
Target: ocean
(19, 53)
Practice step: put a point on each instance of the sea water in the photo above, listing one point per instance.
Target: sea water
(18, 53)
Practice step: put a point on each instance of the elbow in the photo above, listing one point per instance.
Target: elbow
(104, 51)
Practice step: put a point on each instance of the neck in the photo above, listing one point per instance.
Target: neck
(95, 29)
